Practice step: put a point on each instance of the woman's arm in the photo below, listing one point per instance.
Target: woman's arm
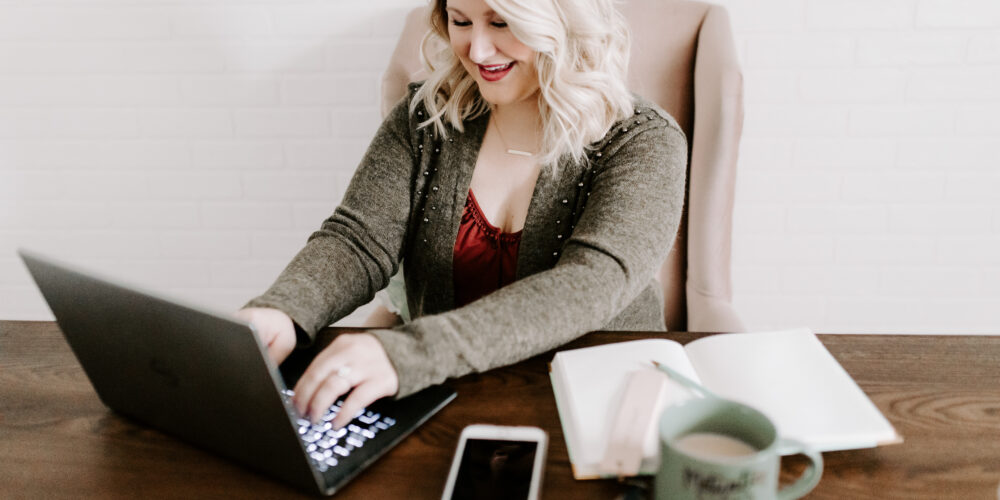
(359, 247)
(342, 266)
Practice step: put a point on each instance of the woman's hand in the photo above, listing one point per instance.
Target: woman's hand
(351, 361)
(276, 330)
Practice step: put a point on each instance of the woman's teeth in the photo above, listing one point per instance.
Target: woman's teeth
(498, 67)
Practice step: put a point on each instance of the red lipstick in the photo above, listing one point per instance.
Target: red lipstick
(495, 72)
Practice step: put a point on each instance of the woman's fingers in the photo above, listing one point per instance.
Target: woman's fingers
(351, 362)
(326, 394)
(281, 346)
(363, 395)
(317, 375)
(275, 329)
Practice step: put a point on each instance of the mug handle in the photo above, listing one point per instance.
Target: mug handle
(810, 479)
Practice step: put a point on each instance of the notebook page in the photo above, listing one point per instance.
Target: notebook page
(589, 382)
(792, 378)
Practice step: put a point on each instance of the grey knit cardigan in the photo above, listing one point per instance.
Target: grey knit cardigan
(595, 233)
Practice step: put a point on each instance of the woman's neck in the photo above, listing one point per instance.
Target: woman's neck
(520, 125)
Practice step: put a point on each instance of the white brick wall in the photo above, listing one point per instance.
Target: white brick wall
(191, 147)
(871, 143)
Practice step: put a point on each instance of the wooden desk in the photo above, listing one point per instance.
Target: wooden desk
(57, 440)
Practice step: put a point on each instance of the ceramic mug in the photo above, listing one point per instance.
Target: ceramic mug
(714, 449)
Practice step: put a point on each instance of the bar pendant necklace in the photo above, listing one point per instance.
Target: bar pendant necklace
(510, 150)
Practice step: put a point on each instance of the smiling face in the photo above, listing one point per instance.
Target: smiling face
(502, 66)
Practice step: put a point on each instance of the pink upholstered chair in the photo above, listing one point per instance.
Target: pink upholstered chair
(683, 58)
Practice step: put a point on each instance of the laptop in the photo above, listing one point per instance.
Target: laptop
(205, 378)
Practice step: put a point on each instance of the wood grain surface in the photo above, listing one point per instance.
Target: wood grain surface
(57, 440)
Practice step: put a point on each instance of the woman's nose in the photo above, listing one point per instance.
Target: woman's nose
(481, 47)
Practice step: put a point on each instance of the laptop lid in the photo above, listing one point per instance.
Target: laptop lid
(201, 376)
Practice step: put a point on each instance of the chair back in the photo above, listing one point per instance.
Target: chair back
(683, 58)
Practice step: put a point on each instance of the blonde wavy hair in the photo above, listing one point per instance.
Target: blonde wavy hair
(582, 50)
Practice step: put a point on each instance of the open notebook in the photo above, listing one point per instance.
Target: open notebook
(788, 375)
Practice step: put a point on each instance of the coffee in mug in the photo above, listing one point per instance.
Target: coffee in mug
(712, 446)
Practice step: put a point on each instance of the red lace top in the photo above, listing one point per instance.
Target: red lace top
(485, 258)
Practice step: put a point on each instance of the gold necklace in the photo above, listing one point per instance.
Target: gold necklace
(510, 150)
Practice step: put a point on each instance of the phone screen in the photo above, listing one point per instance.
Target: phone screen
(494, 469)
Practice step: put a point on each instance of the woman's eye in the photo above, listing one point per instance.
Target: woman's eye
(460, 23)
(499, 24)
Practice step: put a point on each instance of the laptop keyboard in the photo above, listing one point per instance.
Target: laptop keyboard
(326, 447)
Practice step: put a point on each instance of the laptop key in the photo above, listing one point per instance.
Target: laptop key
(326, 446)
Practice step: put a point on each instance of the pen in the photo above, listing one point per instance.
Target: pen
(691, 384)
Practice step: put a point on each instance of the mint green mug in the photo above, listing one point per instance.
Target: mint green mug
(714, 449)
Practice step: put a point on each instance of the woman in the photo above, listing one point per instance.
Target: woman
(531, 196)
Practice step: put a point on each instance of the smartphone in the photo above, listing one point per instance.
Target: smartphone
(494, 461)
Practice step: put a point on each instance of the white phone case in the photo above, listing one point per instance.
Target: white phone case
(503, 433)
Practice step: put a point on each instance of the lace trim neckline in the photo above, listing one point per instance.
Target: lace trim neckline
(472, 207)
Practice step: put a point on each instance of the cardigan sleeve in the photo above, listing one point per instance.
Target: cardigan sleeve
(359, 247)
(623, 234)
